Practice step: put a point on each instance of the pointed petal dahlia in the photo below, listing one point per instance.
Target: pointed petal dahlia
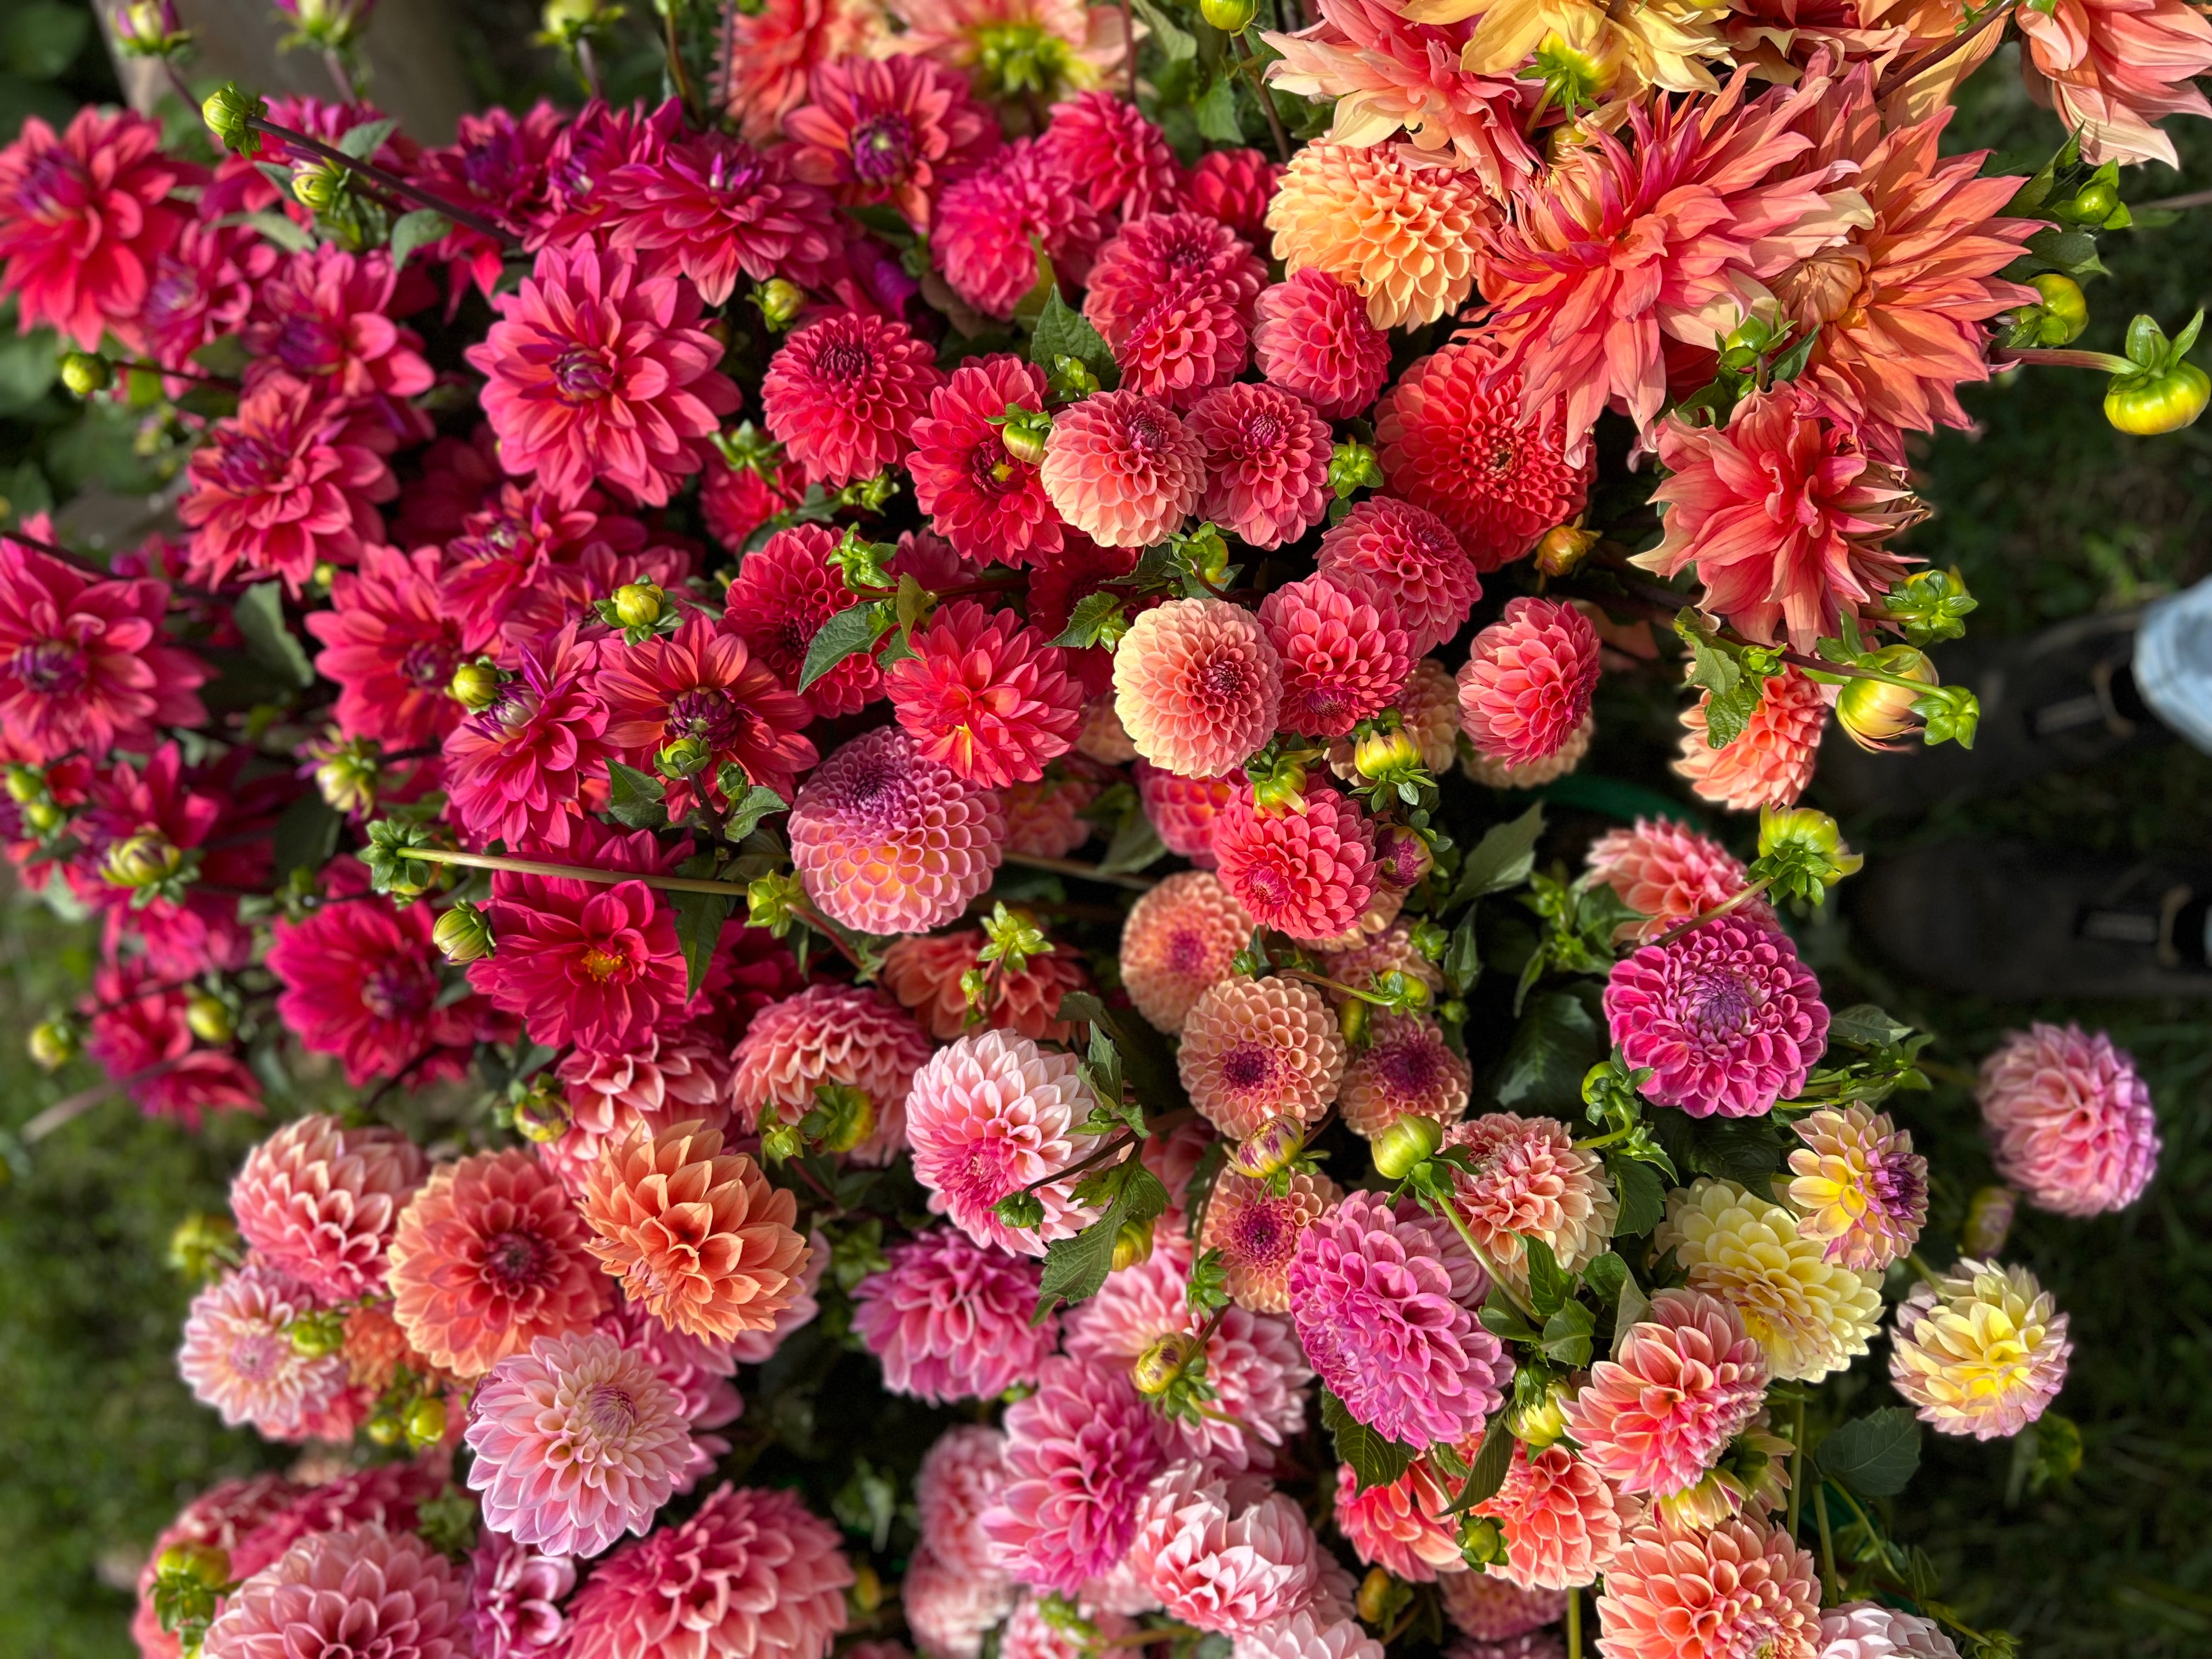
(786, 589)
(1122, 469)
(600, 374)
(1119, 159)
(1311, 337)
(1528, 681)
(752, 1575)
(1411, 555)
(1812, 1315)
(1406, 1066)
(986, 501)
(576, 1442)
(515, 1597)
(1726, 1017)
(238, 1357)
(488, 1255)
(1676, 1593)
(318, 1201)
(698, 1369)
(1178, 943)
(1655, 1417)
(515, 771)
(769, 55)
(924, 972)
(1372, 1294)
(842, 395)
(986, 695)
(1308, 871)
(392, 646)
(360, 1590)
(1982, 1351)
(1224, 1570)
(2112, 71)
(1400, 1525)
(1182, 810)
(1530, 1181)
(988, 224)
(1867, 1630)
(889, 129)
(949, 1319)
(1485, 1606)
(1451, 437)
(1344, 656)
(1859, 1186)
(1770, 761)
(1256, 1230)
(989, 1115)
(1562, 1521)
(720, 210)
(889, 841)
(961, 1476)
(1257, 1049)
(851, 1035)
(1266, 462)
(2069, 1119)
(325, 316)
(702, 683)
(1197, 685)
(1402, 233)
(1665, 870)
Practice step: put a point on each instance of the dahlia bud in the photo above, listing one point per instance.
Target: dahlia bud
(44, 817)
(1380, 1596)
(685, 757)
(1020, 1210)
(1802, 851)
(778, 301)
(1269, 1149)
(1408, 1143)
(318, 184)
(145, 860)
(1282, 787)
(1482, 1540)
(1873, 711)
(463, 933)
(1401, 857)
(1563, 549)
(541, 1114)
(1133, 1244)
(426, 1422)
(203, 1245)
(866, 1593)
(53, 1042)
(148, 28)
(564, 22)
(1354, 1019)
(475, 685)
(1155, 1370)
(349, 774)
(782, 1143)
(227, 112)
(637, 604)
(85, 372)
(1352, 466)
(1024, 432)
(1230, 16)
(318, 1334)
(384, 1428)
(1071, 378)
(1430, 938)
(850, 1116)
(1383, 757)
(207, 1016)
(1989, 1221)
(1541, 1419)
(25, 784)
(2060, 319)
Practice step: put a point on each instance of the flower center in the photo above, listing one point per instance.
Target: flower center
(845, 361)
(399, 989)
(429, 664)
(1409, 1069)
(308, 344)
(53, 667)
(1260, 1236)
(249, 464)
(1148, 434)
(258, 1355)
(601, 963)
(1223, 680)
(49, 184)
(608, 1413)
(706, 713)
(1263, 433)
(883, 148)
(1246, 1066)
(1718, 1006)
(515, 1261)
(1186, 952)
(581, 374)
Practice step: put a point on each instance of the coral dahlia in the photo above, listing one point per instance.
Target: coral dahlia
(2112, 68)
(1562, 1521)
(1257, 1049)
(1411, 555)
(1311, 337)
(318, 1201)
(1665, 870)
(850, 1035)
(1308, 871)
(1345, 656)
(888, 130)
(985, 501)
(1171, 253)
(784, 591)
(986, 695)
(1400, 1525)
(702, 685)
(1197, 685)
(1178, 943)
(1528, 681)
(925, 972)
(843, 394)
(1266, 462)
(1770, 761)
(1223, 1568)
(1529, 1180)
(1981, 1351)
(1122, 469)
(718, 208)
(1402, 233)
(987, 225)
(1655, 1417)
(1737, 1588)
(238, 1357)
(1256, 1230)
(1182, 810)
(1234, 186)
(949, 1319)
(1859, 1185)
(2069, 1119)
(1119, 159)
(1406, 1066)
(361, 1589)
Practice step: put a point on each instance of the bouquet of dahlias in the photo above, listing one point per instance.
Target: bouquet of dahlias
(887, 713)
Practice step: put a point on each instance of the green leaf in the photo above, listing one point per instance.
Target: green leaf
(1502, 858)
(415, 230)
(280, 229)
(41, 39)
(1374, 1460)
(634, 799)
(2074, 252)
(1088, 621)
(1216, 113)
(1503, 1320)
(1462, 959)
(1567, 1334)
(1863, 1025)
(851, 631)
(1031, 305)
(1490, 1469)
(1606, 1275)
(1792, 363)
(224, 354)
(1556, 1042)
(259, 614)
(1746, 1151)
(30, 365)
(1734, 693)
(1876, 1455)
(1172, 39)
(747, 811)
(1642, 1196)
(1148, 1062)
(1136, 844)
(884, 221)
(306, 834)
(1075, 1268)
(1629, 1309)
(364, 141)
(1549, 1284)
(1063, 331)
(699, 920)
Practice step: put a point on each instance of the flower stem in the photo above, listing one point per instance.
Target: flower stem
(678, 75)
(1251, 65)
(2055, 357)
(571, 871)
(1797, 1470)
(1714, 915)
(1828, 1579)
(1574, 1623)
(1081, 871)
(341, 76)
(76, 1105)
(1127, 1137)
(1527, 1310)
(1328, 984)
(389, 180)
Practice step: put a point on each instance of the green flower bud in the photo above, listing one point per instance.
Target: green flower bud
(1155, 1370)
(349, 776)
(1282, 787)
(1271, 1147)
(685, 757)
(778, 301)
(1383, 757)
(426, 1421)
(145, 860)
(866, 1593)
(463, 933)
(208, 1018)
(201, 1245)
(1024, 432)
(85, 372)
(475, 685)
(1352, 466)
(851, 1115)
(227, 112)
(318, 1335)
(1409, 1142)
(1873, 712)
(1380, 1594)
(1482, 1540)
(25, 784)
(541, 1114)
(1133, 1244)
(44, 817)
(206, 1565)
(1809, 846)
(384, 1428)
(1354, 1019)
(1020, 1210)
(1563, 549)
(1230, 16)
(316, 185)
(53, 1042)
(638, 604)
(2064, 311)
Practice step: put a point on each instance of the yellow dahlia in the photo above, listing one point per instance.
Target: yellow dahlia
(1859, 1186)
(1980, 1351)
(1621, 50)
(1404, 235)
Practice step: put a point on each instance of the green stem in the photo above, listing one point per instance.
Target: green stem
(1796, 1469)
(1126, 1139)
(1081, 871)
(570, 871)
(383, 176)
(1833, 1585)
(1326, 984)
(1527, 1310)
(1717, 912)
(1574, 1623)
(1251, 63)
(1597, 1142)
(2058, 357)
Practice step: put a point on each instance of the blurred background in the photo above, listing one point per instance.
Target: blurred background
(2049, 513)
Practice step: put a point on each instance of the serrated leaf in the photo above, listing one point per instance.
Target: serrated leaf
(1136, 844)
(1075, 1268)
(1490, 1468)
(1172, 39)
(1373, 1458)
(699, 920)
(1063, 331)
(2064, 250)
(416, 230)
(1606, 1275)
(1642, 1196)
(1876, 1455)
(259, 614)
(850, 631)
(1863, 1025)
(1503, 1320)
(1567, 1334)
(306, 834)
(636, 799)
(364, 141)
(749, 808)
(1502, 858)
(1148, 1062)
(1216, 113)
(1792, 363)
(1549, 1283)
(1089, 618)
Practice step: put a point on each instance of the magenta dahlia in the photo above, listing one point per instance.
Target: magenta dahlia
(2069, 1119)
(515, 1597)
(987, 226)
(702, 684)
(325, 316)
(1528, 681)
(1307, 870)
(889, 130)
(784, 592)
(1266, 462)
(719, 209)
(391, 644)
(1345, 656)
(986, 501)
(1311, 337)
(842, 395)
(986, 695)
(515, 771)
(1119, 159)
(1411, 555)
(949, 1319)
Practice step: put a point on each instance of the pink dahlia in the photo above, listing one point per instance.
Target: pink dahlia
(288, 483)
(891, 130)
(985, 231)
(845, 1035)
(1673, 1593)
(1529, 1180)
(1182, 810)
(516, 771)
(2069, 1119)
(950, 1611)
(703, 684)
(496, 163)
(360, 1590)
(1528, 681)
(1178, 943)
(1345, 655)
(576, 1442)
(1770, 761)
(736, 500)
(769, 55)
(1562, 1522)
(843, 395)
(141, 1027)
(1406, 1066)
(488, 1255)
(1233, 186)
(698, 1368)
(1680, 1386)
(1172, 254)
(201, 289)
(1320, 1630)
(925, 971)
(1030, 1633)
(1118, 159)
(753, 1574)
(1307, 871)
(889, 841)
(1727, 1018)
(1256, 1230)
(986, 695)
(391, 645)
(225, 1516)
(785, 590)
(1312, 338)
(1858, 1184)
(580, 962)
(1257, 1049)
(600, 374)
(1485, 1606)
(84, 213)
(2112, 69)
(1451, 437)
(1197, 685)
(1410, 556)
(989, 1115)
(1122, 469)
(1192, 339)
(318, 1201)
(1400, 1525)
(1665, 870)
(325, 316)
(1867, 1630)
(1080, 1452)
(1266, 462)
(86, 664)
(360, 980)
(961, 1476)
(720, 210)
(1045, 819)
(1373, 1296)
(1225, 1568)
(949, 1319)
(515, 1595)
(986, 501)
(238, 1357)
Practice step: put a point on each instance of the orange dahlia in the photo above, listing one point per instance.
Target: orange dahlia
(1742, 1587)
(1402, 233)
(1122, 469)
(1178, 943)
(1197, 685)
(1770, 761)
(1257, 1049)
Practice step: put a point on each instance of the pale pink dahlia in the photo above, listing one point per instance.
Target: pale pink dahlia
(988, 1115)
(1183, 809)
(699, 1368)
(986, 695)
(1406, 1066)
(986, 501)
(1178, 943)
(1727, 1018)
(847, 1035)
(1665, 870)
(1770, 761)
(950, 1610)
(842, 395)
(1119, 159)
(753, 1575)
(1266, 462)
(1741, 1586)
(1373, 1296)
(1485, 1606)
(318, 1201)
(1079, 1452)
(1531, 1181)
(1314, 1632)
(362, 1590)
(1528, 681)
(1256, 1230)
(1345, 656)
(888, 842)
(1412, 555)
(949, 1319)
(238, 1357)
(1223, 1568)
(1562, 1521)
(961, 1476)
(2113, 68)
(577, 1442)
(1400, 1525)
(2069, 1119)
(1531, 1644)
(1308, 871)
(1859, 1185)
(1982, 1351)
(1257, 1049)
(1867, 1630)
(1680, 1386)
(1197, 686)
(1030, 1633)
(1312, 336)
(1123, 468)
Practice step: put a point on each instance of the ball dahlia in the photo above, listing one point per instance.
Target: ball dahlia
(986, 695)
(989, 502)
(1411, 556)
(847, 1035)
(1562, 1521)
(1400, 1525)
(2069, 1119)
(1233, 186)
(1197, 686)
(1256, 1230)
(1223, 1568)
(1867, 1630)
(1257, 1049)
(1406, 1066)
(360, 1590)
(1858, 1185)
(950, 1610)
(1770, 761)
(1182, 808)
(1170, 253)
(673, 1076)
(1311, 337)
(1044, 819)
(318, 1201)
(1266, 462)
(1717, 1594)
(1666, 870)
(842, 395)
(987, 225)
(238, 1357)
(1486, 1606)
(1307, 871)
(1314, 1632)
(1345, 656)
(1687, 1376)
(924, 972)
(1179, 942)
(961, 1476)
(1403, 234)
(1123, 468)
(889, 841)
(1528, 681)
(1529, 1180)
(949, 1319)
(1982, 1351)
(1119, 159)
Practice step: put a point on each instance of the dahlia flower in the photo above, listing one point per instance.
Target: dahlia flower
(1373, 1296)
(698, 1369)
(600, 374)
(1403, 234)
(950, 1610)
(238, 1357)
(843, 394)
(1811, 1315)
(1867, 1630)
(1080, 1454)
(1681, 1383)
(785, 590)
(988, 224)
(1256, 1230)
(200, 289)
(961, 1476)
(1528, 681)
(847, 1035)
(139, 1028)
(1530, 1181)
(1122, 469)
(324, 316)
(1406, 1066)
(1400, 1525)
(1311, 337)
(1182, 810)
(696, 1235)
(925, 971)
(985, 695)
(1103, 738)
(1223, 1570)
(887, 840)
(1676, 1593)
(515, 770)
(1044, 820)
(1119, 159)
(1345, 658)
(392, 646)
(1172, 295)
(1266, 462)
(515, 1595)
(949, 1319)
(318, 1201)
(769, 55)
(1030, 1633)
(1308, 871)
(1982, 1351)
(1485, 1606)
(576, 1442)
(1726, 1016)
(1859, 1186)
(226, 1515)
(753, 1574)
(590, 148)
(887, 129)
(703, 685)
(1313, 1631)
(2112, 69)
(1563, 1521)
(1233, 186)
(719, 208)
(1770, 761)
(986, 501)
(1411, 556)
(360, 1590)
(488, 1255)
(1197, 685)
(2069, 1119)
(1178, 943)
(989, 1115)
(496, 163)
(1257, 1049)
(1665, 870)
